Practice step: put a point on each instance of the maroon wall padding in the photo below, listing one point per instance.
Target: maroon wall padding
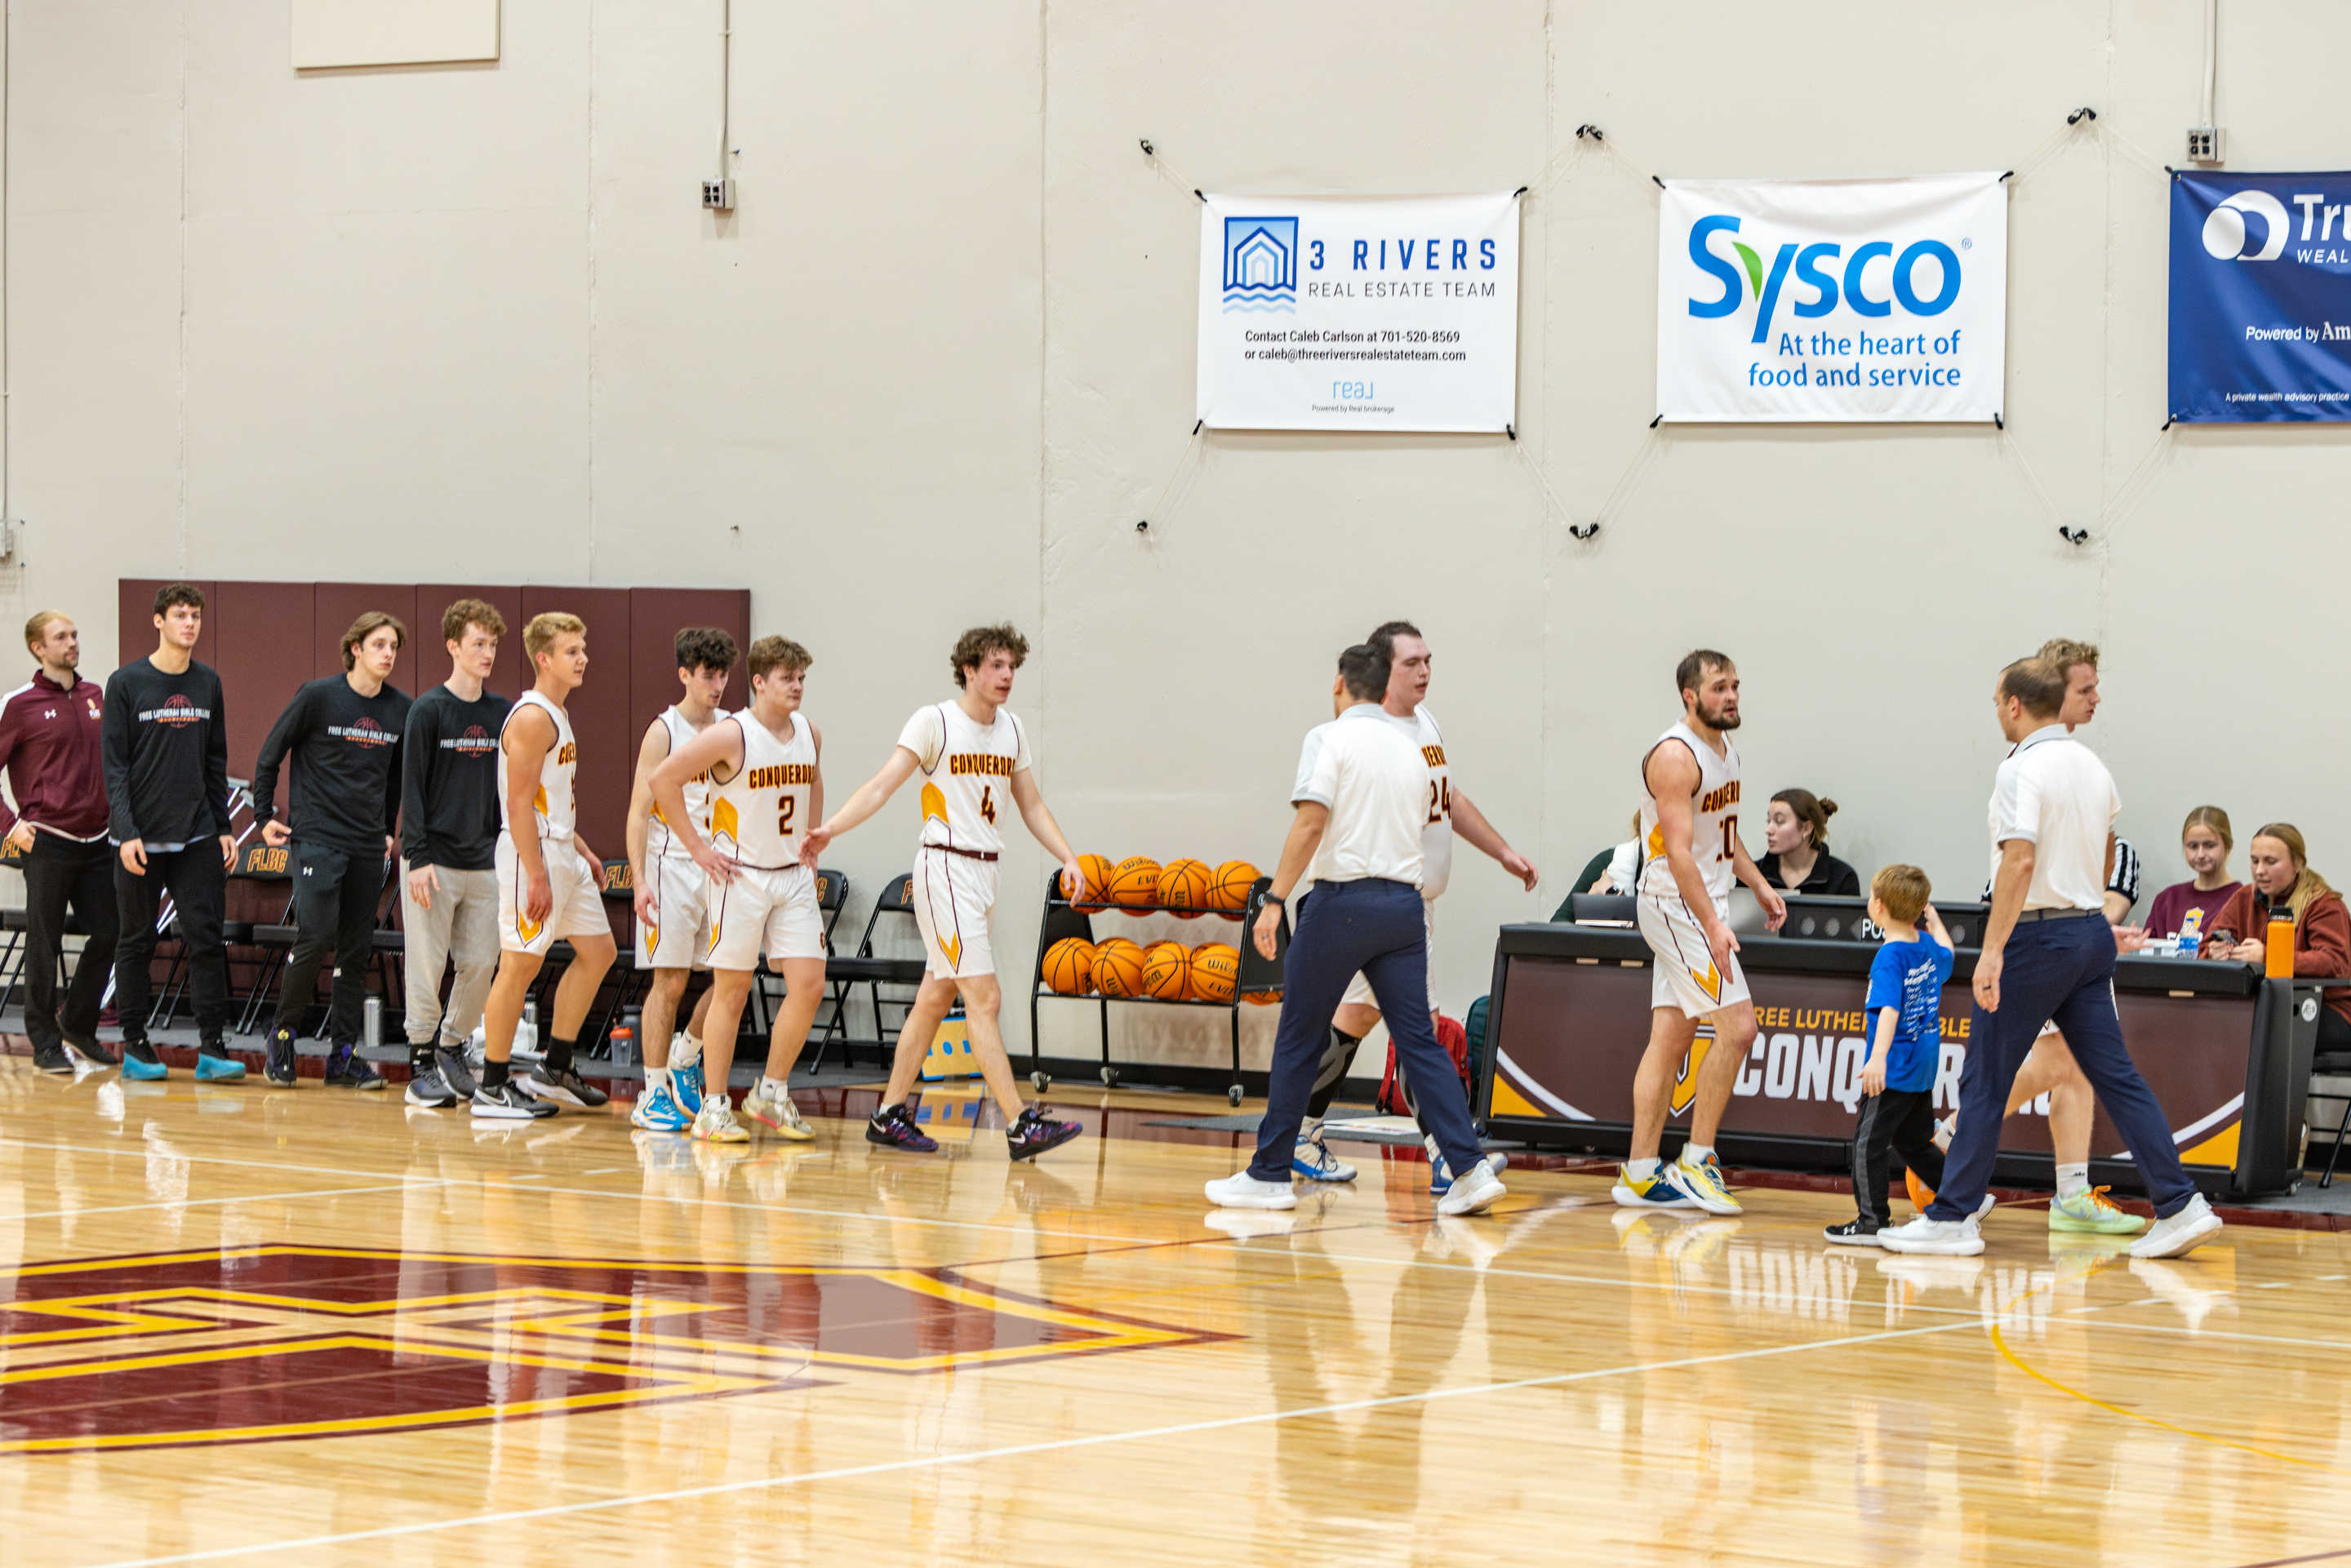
(262, 640)
(267, 638)
(599, 710)
(660, 613)
(430, 665)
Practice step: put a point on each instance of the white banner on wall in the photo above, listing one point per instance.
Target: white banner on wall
(1370, 313)
(1832, 299)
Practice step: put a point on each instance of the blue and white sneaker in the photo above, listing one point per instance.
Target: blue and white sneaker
(686, 1085)
(1658, 1191)
(658, 1110)
(1441, 1175)
(1312, 1159)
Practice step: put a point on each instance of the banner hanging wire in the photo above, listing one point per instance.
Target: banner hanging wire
(1159, 510)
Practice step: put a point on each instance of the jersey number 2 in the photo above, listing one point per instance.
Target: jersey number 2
(987, 802)
(784, 810)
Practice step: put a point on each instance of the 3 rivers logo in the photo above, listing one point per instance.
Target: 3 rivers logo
(1261, 264)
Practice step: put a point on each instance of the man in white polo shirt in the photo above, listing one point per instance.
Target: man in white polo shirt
(2049, 954)
(1360, 802)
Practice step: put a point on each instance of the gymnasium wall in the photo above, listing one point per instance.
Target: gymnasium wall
(471, 321)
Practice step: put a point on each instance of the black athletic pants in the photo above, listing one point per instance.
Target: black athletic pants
(335, 895)
(1901, 1122)
(58, 872)
(198, 883)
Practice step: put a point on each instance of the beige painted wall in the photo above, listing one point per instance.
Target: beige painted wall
(939, 361)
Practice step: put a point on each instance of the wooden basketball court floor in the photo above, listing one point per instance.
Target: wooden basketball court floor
(256, 1326)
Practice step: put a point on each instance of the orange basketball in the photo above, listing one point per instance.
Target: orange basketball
(1215, 968)
(1228, 889)
(1098, 874)
(1118, 969)
(1166, 970)
(1135, 884)
(1070, 967)
(1263, 999)
(1184, 887)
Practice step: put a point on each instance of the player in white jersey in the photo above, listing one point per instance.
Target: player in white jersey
(1449, 809)
(670, 924)
(1691, 854)
(547, 881)
(765, 791)
(975, 762)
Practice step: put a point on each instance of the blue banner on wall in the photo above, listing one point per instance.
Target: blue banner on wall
(2260, 296)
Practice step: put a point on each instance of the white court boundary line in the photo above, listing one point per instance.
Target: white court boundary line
(216, 1202)
(1056, 1445)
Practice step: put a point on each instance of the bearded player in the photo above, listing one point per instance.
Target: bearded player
(1690, 856)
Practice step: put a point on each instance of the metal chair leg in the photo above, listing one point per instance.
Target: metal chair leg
(2335, 1153)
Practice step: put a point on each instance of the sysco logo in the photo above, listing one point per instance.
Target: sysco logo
(1872, 281)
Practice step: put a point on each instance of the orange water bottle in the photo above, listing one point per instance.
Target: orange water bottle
(2278, 955)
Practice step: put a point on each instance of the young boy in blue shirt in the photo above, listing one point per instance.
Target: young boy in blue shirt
(1905, 1008)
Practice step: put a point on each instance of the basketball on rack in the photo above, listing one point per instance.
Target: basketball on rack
(1135, 884)
(1098, 872)
(1070, 967)
(1228, 888)
(1118, 969)
(1216, 968)
(1184, 887)
(1166, 970)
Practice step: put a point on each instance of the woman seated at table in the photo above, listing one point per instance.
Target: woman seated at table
(2205, 842)
(1796, 841)
(2321, 927)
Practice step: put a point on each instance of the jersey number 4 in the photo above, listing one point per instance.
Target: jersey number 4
(1440, 800)
(987, 802)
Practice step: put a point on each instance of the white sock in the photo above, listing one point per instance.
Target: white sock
(1309, 1130)
(1641, 1170)
(656, 1079)
(776, 1087)
(685, 1051)
(1696, 1154)
(2073, 1180)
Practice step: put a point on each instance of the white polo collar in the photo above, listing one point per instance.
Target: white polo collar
(2046, 732)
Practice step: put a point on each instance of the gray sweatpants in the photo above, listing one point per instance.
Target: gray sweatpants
(461, 926)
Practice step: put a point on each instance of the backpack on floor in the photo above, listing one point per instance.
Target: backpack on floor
(1456, 1042)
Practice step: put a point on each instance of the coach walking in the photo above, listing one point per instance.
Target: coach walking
(2049, 956)
(1360, 800)
(49, 749)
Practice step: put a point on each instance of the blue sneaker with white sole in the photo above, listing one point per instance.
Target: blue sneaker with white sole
(1314, 1160)
(657, 1111)
(140, 1063)
(687, 1085)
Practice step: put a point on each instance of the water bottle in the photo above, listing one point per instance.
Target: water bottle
(371, 1023)
(2278, 952)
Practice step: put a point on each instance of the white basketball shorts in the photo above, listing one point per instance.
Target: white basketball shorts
(952, 895)
(1685, 975)
(578, 909)
(772, 912)
(679, 932)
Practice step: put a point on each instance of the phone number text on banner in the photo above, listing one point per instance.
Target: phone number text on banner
(1370, 313)
(1832, 299)
(2260, 296)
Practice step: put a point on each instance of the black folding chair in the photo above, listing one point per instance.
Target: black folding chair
(864, 968)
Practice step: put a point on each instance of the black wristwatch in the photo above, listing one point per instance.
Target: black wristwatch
(1274, 898)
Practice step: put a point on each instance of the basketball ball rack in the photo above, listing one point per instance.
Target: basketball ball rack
(1257, 976)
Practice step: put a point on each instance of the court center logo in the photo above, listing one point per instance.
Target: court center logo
(1262, 265)
(276, 1343)
(2226, 237)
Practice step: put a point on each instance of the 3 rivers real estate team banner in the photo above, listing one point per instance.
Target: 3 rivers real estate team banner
(1376, 313)
(1832, 299)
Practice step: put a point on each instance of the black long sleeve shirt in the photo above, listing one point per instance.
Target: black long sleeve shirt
(449, 781)
(166, 740)
(346, 750)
